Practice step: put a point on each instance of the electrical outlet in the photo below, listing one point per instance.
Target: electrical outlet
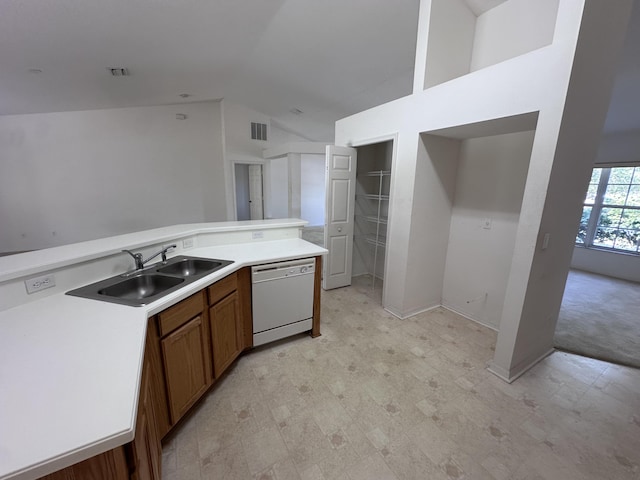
(486, 224)
(40, 283)
(257, 235)
(187, 243)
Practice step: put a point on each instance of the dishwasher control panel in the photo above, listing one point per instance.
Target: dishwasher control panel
(271, 271)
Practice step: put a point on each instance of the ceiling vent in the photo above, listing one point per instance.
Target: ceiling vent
(119, 72)
(258, 131)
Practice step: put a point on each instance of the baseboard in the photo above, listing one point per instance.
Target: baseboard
(469, 317)
(410, 313)
(516, 372)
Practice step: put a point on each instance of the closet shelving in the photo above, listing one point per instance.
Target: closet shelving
(372, 201)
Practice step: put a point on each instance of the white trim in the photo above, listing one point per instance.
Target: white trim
(233, 183)
(410, 313)
(508, 375)
(285, 149)
(370, 141)
(469, 317)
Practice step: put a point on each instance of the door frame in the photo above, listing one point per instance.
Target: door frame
(233, 182)
(393, 137)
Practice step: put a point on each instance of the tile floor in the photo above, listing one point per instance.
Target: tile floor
(380, 398)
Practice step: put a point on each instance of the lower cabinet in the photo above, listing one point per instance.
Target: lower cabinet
(188, 347)
(226, 334)
(111, 465)
(145, 452)
(186, 358)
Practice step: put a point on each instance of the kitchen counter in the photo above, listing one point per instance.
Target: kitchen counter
(70, 367)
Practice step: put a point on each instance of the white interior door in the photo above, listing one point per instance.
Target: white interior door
(255, 192)
(338, 229)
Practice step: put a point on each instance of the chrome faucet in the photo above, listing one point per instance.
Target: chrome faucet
(137, 257)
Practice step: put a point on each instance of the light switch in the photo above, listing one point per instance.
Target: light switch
(545, 241)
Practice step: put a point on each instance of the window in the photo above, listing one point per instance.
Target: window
(611, 212)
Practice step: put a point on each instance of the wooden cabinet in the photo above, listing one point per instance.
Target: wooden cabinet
(146, 450)
(185, 354)
(187, 346)
(230, 322)
(157, 383)
(226, 333)
(111, 465)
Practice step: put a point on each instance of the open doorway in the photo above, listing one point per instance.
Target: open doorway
(248, 185)
(598, 317)
(372, 196)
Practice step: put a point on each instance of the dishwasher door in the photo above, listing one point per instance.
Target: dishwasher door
(282, 299)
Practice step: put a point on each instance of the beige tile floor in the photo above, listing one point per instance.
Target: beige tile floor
(376, 397)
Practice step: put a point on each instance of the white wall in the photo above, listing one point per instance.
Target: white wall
(612, 264)
(492, 172)
(569, 84)
(511, 29)
(239, 147)
(74, 176)
(451, 31)
(277, 179)
(313, 188)
(619, 147)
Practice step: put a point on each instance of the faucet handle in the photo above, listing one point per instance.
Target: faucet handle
(137, 257)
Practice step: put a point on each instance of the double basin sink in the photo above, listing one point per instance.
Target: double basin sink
(151, 283)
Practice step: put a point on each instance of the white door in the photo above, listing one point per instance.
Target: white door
(255, 192)
(338, 228)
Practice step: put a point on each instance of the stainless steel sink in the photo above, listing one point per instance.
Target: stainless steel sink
(144, 286)
(141, 287)
(190, 266)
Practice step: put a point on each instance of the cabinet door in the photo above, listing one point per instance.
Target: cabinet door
(226, 332)
(184, 357)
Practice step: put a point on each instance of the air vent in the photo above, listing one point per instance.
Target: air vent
(119, 72)
(258, 131)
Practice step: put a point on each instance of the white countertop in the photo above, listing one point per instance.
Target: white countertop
(13, 266)
(70, 367)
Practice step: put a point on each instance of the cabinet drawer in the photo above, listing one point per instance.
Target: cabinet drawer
(222, 288)
(180, 313)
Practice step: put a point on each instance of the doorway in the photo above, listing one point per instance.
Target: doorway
(249, 197)
(373, 183)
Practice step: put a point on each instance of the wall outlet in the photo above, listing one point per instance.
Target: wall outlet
(486, 224)
(257, 235)
(187, 243)
(40, 283)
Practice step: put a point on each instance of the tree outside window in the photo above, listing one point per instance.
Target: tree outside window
(611, 213)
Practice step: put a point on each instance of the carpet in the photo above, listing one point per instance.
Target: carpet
(600, 318)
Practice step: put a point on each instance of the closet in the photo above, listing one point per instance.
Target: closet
(373, 181)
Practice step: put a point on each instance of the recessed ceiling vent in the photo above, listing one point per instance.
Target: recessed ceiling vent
(258, 131)
(119, 72)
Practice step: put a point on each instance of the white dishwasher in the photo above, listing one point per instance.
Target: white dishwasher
(282, 299)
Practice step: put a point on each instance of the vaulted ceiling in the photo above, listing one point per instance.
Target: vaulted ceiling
(327, 59)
